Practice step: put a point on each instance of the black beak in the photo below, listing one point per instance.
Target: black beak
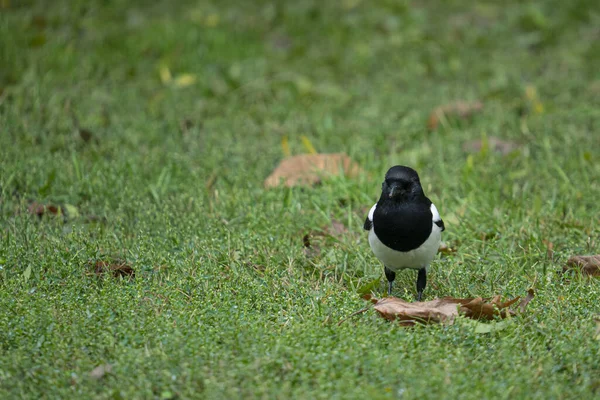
(394, 190)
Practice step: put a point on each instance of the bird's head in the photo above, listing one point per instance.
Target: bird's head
(401, 183)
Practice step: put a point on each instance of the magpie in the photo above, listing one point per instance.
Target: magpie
(405, 228)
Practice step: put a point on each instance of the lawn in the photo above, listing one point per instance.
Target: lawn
(151, 126)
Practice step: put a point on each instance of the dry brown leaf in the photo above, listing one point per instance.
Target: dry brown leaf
(336, 230)
(434, 311)
(308, 169)
(185, 125)
(587, 265)
(445, 310)
(479, 308)
(257, 267)
(523, 304)
(116, 268)
(458, 109)
(40, 209)
(310, 250)
(501, 146)
(86, 135)
(549, 249)
(100, 371)
(445, 249)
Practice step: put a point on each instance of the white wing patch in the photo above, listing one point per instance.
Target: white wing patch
(435, 213)
(372, 211)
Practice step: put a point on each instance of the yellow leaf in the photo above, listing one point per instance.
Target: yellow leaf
(308, 145)
(538, 107)
(165, 74)
(285, 146)
(212, 20)
(530, 92)
(185, 80)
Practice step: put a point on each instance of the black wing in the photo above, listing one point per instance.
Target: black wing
(368, 224)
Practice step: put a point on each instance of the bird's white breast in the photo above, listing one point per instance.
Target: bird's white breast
(417, 258)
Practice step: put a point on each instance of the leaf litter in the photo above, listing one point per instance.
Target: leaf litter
(587, 265)
(100, 371)
(457, 110)
(40, 209)
(310, 169)
(445, 310)
(116, 267)
(67, 211)
(335, 229)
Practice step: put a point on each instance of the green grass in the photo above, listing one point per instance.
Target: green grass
(224, 303)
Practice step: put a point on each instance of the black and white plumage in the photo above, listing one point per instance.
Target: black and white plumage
(405, 228)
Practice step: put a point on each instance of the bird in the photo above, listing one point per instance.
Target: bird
(405, 227)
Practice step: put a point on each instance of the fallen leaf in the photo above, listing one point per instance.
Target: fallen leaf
(503, 147)
(70, 210)
(256, 267)
(549, 249)
(100, 371)
(587, 265)
(27, 273)
(165, 74)
(446, 309)
(308, 169)
(40, 209)
(212, 20)
(458, 109)
(445, 249)
(116, 268)
(479, 308)
(184, 80)
(210, 182)
(85, 135)
(434, 311)
(532, 96)
(523, 304)
(185, 125)
(310, 250)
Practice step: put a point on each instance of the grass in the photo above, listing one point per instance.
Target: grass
(224, 303)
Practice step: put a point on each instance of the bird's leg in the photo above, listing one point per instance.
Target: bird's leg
(421, 283)
(390, 275)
